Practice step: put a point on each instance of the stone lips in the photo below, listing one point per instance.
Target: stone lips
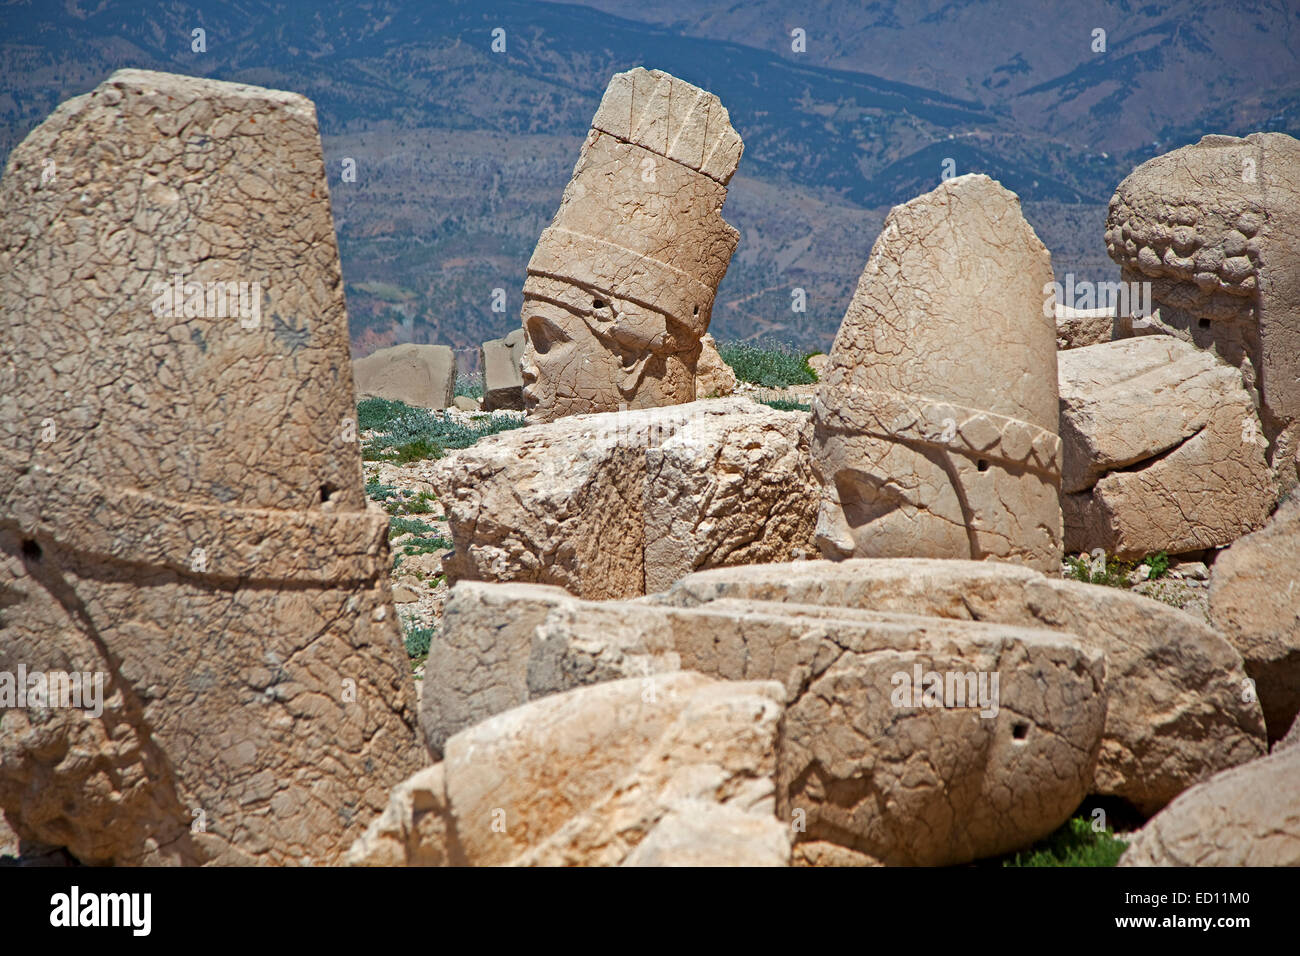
(936, 424)
(178, 509)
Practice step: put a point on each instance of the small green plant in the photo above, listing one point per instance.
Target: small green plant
(1112, 573)
(402, 433)
(1159, 565)
(378, 491)
(417, 640)
(1075, 843)
(768, 363)
(403, 525)
(470, 386)
(786, 405)
(416, 450)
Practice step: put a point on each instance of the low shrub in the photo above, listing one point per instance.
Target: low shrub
(767, 363)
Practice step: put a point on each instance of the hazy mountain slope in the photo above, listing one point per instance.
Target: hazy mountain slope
(462, 153)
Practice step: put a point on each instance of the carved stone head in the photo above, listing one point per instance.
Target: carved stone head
(620, 288)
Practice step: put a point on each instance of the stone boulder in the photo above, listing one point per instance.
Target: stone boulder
(1076, 328)
(935, 426)
(1246, 816)
(420, 375)
(182, 515)
(1214, 229)
(503, 381)
(584, 778)
(1255, 602)
(844, 735)
(1178, 711)
(602, 504)
(713, 377)
(1163, 450)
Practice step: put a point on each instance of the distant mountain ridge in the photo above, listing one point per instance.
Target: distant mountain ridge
(462, 153)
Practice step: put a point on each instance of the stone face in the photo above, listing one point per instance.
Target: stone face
(1255, 602)
(1177, 713)
(503, 381)
(713, 377)
(177, 511)
(1246, 816)
(936, 423)
(1163, 450)
(1215, 228)
(620, 287)
(421, 375)
(582, 502)
(843, 736)
(581, 778)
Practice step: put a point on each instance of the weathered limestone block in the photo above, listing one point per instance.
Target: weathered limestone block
(726, 491)
(844, 737)
(936, 424)
(581, 778)
(1255, 602)
(699, 833)
(1178, 710)
(503, 380)
(1246, 816)
(581, 502)
(714, 378)
(1077, 328)
(1163, 450)
(415, 828)
(420, 375)
(1215, 229)
(620, 287)
(178, 512)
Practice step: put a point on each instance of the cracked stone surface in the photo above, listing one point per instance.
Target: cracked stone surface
(1163, 450)
(714, 378)
(1255, 602)
(1246, 816)
(621, 285)
(628, 772)
(1178, 710)
(1215, 228)
(1077, 328)
(177, 508)
(936, 422)
(609, 504)
(850, 766)
(420, 375)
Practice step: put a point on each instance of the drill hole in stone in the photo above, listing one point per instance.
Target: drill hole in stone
(695, 311)
(1204, 323)
(982, 464)
(31, 550)
(1020, 731)
(326, 493)
(597, 304)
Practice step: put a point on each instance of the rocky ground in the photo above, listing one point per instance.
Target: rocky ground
(420, 588)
